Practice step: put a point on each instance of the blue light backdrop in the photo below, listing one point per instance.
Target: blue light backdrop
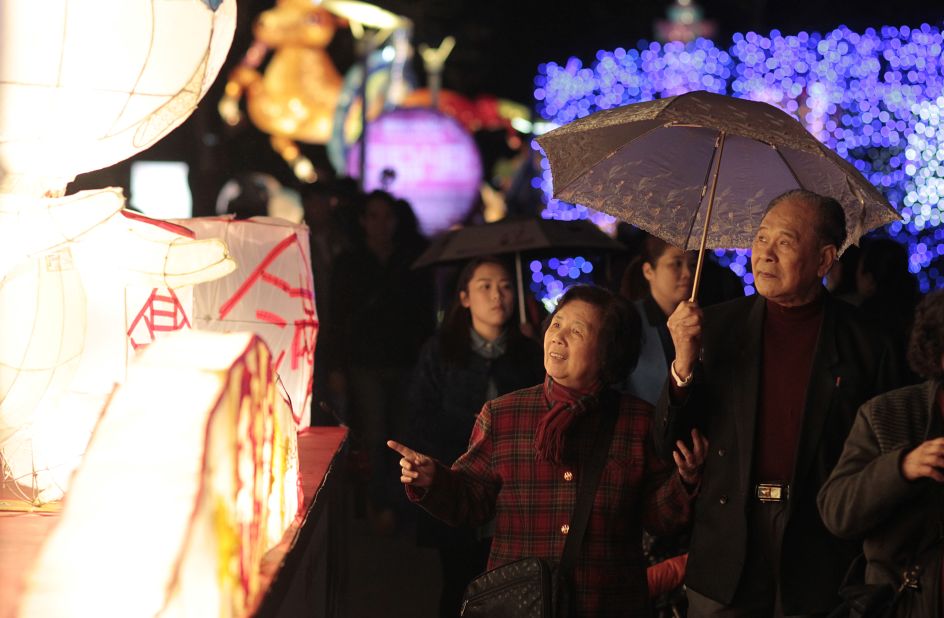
(875, 98)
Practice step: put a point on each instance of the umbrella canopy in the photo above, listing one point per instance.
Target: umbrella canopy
(667, 165)
(516, 236)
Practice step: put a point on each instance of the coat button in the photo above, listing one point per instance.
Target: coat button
(568, 476)
(722, 452)
(565, 529)
(723, 499)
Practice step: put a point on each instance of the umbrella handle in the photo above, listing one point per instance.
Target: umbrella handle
(522, 318)
(711, 203)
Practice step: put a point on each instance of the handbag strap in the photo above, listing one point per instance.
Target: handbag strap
(589, 480)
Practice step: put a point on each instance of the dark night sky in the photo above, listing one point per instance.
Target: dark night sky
(500, 43)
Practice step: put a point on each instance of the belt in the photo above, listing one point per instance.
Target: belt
(772, 492)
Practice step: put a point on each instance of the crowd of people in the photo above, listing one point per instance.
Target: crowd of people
(773, 455)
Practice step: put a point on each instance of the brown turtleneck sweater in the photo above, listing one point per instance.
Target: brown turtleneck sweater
(790, 336)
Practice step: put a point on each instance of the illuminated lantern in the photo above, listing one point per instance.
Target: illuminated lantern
(294, 98)
(450, 103)
(271, 294)
(435, 164)
(88, 83)
(85, 84)
(203, 447)
(84, 283)
(389, 79)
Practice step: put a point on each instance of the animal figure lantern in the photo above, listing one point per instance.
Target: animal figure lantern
(294, 98)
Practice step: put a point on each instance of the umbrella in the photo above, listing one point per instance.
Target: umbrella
(702, 162)
(516, 236)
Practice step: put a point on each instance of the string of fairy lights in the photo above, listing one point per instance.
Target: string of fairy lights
(876, 98)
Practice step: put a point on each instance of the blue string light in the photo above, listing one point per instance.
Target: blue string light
(876, 98)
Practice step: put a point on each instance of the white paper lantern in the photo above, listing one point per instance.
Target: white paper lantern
(75, 273)
(271, 293)
(190, 478)
(87, 83)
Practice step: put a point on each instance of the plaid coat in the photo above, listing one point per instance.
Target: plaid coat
(532, 499)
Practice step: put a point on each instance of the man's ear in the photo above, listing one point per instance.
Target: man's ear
(827, 257)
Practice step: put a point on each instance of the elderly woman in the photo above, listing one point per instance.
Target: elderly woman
(888, 486)
(521, 464)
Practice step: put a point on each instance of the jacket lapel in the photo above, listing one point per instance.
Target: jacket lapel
(821, 392)
(748, 376)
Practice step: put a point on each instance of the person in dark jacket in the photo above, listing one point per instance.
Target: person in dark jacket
(478, 354)
(668, 273)
(888, 487)
(775, 381)
(381, 313)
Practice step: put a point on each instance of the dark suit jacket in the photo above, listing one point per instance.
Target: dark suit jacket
(866, 497)
(851, 364)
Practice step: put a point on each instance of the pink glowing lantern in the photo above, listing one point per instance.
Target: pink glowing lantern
(426, 158)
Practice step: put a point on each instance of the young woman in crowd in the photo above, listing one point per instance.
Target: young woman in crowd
(669, 272)
(478, 354)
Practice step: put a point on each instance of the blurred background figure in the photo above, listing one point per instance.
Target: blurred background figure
(667, 273)
(841, 278)
(889, 292)
(660, 279)
(380, 314)
(244, 196)
(254, 194)
(327, 240)
(478, 354)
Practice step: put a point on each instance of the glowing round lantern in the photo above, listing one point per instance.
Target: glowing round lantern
(435, 164)
(87, 83)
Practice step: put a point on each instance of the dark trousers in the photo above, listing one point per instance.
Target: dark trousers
(758, 592)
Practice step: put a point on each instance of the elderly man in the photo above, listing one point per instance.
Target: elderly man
(775, 381)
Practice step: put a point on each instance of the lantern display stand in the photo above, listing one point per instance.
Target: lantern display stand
(310, 544)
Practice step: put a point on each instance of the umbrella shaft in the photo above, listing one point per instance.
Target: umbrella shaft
(522, 318)
(719, 150)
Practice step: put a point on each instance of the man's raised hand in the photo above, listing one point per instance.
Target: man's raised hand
(685, 327)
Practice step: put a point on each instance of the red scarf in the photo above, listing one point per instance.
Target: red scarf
(567, 404)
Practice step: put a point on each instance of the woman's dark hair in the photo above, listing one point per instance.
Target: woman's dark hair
(454, 337)
(620, 329)
(927, 337)
(652, 249)
(375, 195)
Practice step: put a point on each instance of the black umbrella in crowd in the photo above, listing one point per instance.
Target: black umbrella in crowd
(517, 236)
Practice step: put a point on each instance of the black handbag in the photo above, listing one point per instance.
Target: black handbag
(535, 587)
(861, 600)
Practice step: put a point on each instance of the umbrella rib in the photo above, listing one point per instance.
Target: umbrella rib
(704, 190)
(789, 167)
